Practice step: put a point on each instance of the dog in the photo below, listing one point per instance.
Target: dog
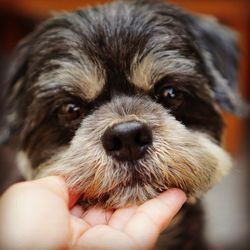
(125, 100)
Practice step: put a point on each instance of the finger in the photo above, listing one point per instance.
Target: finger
(153, 216)
(78, 228)
(77, 211)
(54, 184)
(121, 217)
(97, 216)
(104, 237)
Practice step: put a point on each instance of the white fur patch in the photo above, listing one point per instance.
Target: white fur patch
(24, 165)
(224, 161)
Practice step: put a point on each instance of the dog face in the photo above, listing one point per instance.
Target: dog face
(124, 100)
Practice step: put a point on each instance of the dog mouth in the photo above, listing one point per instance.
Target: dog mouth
(128, 196)
(135, 189)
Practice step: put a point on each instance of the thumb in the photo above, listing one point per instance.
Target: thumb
(34, 215)
(152, 217)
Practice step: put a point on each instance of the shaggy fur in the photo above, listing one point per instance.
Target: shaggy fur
(178, 157)
(142, 61)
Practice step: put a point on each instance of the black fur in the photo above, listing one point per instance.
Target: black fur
(110, 36)
(113, 41)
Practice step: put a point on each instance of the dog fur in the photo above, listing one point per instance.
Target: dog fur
(114, 63)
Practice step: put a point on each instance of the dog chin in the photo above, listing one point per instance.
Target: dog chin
(121, 197)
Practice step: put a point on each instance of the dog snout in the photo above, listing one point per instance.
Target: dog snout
(127, 141)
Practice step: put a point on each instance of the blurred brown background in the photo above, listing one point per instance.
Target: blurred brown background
(228, 204)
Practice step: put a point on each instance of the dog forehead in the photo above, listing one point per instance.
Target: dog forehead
(140, 42)
(91, 47)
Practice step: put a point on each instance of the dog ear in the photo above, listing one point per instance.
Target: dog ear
(218, 49)
(12, 86)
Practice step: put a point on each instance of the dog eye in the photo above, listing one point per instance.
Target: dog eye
(69, 112)
(170, 97)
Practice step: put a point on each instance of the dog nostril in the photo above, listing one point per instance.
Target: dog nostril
(112, 143)
(143, 138)
(127, 141)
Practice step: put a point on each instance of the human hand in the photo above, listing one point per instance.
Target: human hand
(37, 215)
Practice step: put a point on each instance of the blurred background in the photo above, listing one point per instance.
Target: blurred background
(227, 205)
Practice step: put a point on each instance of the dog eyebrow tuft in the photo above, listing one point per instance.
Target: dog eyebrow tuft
(156, 65)
(86, 78)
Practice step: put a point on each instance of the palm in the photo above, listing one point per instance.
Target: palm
(136, 227)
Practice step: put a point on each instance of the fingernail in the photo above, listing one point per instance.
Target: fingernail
(174, 195)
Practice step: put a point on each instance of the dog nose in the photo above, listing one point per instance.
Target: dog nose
(127, 141)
